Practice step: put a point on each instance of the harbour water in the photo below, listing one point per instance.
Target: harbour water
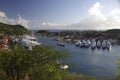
(98, 62)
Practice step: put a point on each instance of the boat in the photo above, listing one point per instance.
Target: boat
(83, 43)
(108, 45)
(87, 43)
(61, 44)
(28, 37)
(98, 44)
(64, 67)
(104, 44)
(29, 41)
(58, 39)
(93, 44)
(68, 40)
(78, 43)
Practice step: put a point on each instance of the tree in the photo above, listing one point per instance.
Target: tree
(38, 64)
(19, 63)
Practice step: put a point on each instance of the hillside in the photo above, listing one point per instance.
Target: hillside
(113, 33)
(12, 29)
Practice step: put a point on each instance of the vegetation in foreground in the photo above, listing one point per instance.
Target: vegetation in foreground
(38, 64)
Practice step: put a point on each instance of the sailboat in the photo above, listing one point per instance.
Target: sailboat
(60, 43)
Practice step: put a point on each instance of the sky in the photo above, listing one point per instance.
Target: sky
(61, 14)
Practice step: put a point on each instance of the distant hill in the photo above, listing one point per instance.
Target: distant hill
(7, 29)
(113, 33)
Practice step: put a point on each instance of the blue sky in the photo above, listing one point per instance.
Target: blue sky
(61, 14)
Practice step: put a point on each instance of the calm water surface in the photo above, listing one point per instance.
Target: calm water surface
(98, 62)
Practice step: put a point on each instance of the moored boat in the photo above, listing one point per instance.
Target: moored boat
(64, 67)
(93, 44)
(29, 41)
(98, 44)
(83, 43)
(104, 44)
(78, 43)
(87, 43)
(108, 45)
(61, 44)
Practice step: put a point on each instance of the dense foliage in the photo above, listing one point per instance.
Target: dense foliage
(118, 70)
(113, 33)
(12, 29)
(38, 64)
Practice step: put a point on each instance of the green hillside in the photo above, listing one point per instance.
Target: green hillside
(6, 29)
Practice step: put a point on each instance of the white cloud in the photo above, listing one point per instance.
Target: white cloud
(95, 20)
(19, 20)
(95, 10)
(2, 15)
(50, 24)
(115, 14)
(5, 19)
(23, 22)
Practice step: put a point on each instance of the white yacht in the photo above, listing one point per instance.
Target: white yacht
(98, 44)
(83, 43)
(87, 43)
(104, 44)
(29, 41)
(108, 45)
(93, 44)
(78, 43)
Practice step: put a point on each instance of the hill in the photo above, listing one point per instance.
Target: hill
(7, 29)
(113, 33)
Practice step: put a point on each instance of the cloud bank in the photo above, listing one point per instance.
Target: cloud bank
(95, 20)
